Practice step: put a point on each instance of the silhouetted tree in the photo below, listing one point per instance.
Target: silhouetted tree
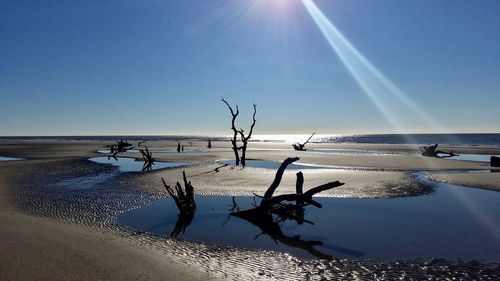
(244, 139)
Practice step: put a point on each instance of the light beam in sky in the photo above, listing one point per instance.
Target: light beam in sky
(377, 86)
(374, 83)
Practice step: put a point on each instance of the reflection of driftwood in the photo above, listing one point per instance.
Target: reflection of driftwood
(431, 151)
(244, 139)
(302, 146)
(262, 214)
(184, 199)
(495, 161)
(149, 161)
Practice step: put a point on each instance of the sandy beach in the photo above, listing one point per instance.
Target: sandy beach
(41, 240)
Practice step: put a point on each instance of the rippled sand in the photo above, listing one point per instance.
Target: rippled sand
(82, 199)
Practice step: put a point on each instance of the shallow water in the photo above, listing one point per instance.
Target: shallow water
(266, 164)
(472, 157)
(350, 151)
(131, 165)
(107, 151)
(450, 223)
(2, 158)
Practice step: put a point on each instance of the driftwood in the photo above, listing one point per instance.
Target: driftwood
(119, 147)
(494, 161)
(241, 132)
(431, 151)
(184, 200)
(149, 161)
(302, 146)
(273, 211)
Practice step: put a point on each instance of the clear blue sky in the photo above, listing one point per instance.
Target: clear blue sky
(160, 67)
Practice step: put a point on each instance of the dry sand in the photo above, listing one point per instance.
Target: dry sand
(38, 248)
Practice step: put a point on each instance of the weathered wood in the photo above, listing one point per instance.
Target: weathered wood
(234, 143)
(302, 146)
(244, 139)
(149, 161)
(277, 178)
(262, 214)
(494, 161)
(431, 151)
(184, 199)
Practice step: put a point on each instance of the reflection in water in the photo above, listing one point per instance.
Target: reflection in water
(434, 225)
(131, 165)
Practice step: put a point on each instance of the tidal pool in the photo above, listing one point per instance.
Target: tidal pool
(107, 151)
(2, 158)
(350, 151)
(131, 165)
(472, 157)
(452, 222)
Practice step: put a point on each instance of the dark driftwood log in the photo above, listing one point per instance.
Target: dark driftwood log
(431, 151)
(119, 147)
(495, 161)
(149, 161)
(184, 200)
(302, 146)
(262, 215)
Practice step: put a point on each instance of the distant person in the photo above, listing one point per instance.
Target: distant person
(178, 147)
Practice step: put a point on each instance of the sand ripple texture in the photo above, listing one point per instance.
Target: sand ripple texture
(86, 193)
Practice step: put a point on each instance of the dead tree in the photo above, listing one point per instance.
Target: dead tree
(241, 132)
(273, 211)
(302, 146)
(244, 139)
(149, 161)
(234, 143)
(431, 151)
(184, 200)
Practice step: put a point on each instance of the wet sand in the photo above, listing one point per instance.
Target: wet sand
(60, 243)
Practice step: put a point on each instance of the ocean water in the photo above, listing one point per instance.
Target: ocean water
(443, 139)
